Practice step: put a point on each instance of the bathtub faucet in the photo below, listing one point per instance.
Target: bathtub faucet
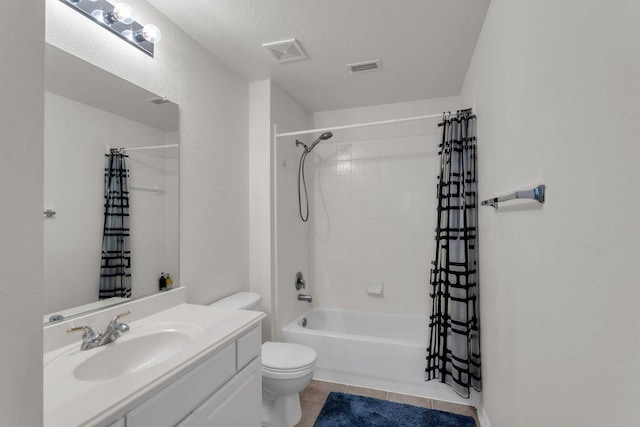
(304, 297)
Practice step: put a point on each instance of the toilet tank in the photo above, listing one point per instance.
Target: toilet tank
(240, 301)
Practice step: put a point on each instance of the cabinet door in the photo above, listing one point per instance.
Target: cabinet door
(178, 399)
(238, 403)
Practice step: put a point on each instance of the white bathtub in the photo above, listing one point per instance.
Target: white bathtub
(376, 350)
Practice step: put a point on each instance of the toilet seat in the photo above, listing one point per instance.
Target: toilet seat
(287, 374)
(287, 360)
(286, 356)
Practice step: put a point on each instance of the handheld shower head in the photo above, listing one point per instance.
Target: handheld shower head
(301, 180)
(322, 137)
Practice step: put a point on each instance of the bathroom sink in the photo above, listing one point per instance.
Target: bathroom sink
(143, 347)
(125, 357)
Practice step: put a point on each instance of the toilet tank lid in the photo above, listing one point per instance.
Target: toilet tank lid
(240, 301)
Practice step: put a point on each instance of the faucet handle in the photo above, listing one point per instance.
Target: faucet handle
(88, 332)
(123, 314)
(116, 317)
(115, 325)
(300, 283)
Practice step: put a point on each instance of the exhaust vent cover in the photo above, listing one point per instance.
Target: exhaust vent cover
(159, 100)
(286, 50)
(372, 65)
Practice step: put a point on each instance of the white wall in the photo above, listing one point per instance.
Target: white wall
(261, 272)
(374, 207)
(74, 183)
(171, 172)
(274, 228)
(214, 175)
(557, 93)
(292, 241)
(21, 159)
(154, 220)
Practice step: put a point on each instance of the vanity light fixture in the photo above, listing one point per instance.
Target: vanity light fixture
(119, 19)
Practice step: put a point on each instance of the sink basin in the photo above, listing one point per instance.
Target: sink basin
(133, 352)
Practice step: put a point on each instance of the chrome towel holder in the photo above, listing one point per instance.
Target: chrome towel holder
(533, 194)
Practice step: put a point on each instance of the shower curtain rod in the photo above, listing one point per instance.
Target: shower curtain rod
(359, 125)
(151, 147)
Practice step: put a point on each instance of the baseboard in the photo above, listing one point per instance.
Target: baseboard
(483, 417)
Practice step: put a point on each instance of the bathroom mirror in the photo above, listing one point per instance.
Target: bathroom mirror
(89, 111)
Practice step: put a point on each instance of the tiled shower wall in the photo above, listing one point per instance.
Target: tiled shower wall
(373, 202)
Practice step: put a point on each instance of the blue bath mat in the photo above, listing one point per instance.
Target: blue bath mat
(348, 410)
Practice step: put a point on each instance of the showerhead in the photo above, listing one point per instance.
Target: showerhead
(322, 137)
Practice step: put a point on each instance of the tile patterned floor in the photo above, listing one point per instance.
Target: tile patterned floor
(313, 397)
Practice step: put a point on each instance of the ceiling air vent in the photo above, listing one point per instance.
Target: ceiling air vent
(364, 66)
(286, 50)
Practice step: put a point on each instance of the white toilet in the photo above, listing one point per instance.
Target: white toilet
(286, 370)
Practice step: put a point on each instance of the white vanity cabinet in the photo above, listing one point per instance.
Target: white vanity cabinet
(223, 390)
(233, 404)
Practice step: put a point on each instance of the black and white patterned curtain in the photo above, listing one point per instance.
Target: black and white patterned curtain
(453, 355)
(115, 269)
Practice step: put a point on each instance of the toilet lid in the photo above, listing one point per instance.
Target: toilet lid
(285, 356)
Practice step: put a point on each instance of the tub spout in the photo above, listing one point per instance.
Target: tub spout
(303, 297)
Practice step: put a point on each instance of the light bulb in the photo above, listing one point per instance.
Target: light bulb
(149, 32)
(121, 12)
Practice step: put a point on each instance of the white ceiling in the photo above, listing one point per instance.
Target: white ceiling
(425, 45)
(73, 78)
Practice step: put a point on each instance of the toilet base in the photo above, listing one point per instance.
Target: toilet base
(281, 401)
(284, 411)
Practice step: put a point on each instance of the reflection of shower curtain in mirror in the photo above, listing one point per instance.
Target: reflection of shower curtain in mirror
(115, 269)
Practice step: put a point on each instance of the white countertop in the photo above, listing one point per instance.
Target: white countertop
(70, 402)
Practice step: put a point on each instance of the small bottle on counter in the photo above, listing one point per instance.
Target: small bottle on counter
(162, 282)
(169, 282)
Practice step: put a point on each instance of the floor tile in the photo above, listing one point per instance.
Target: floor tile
(318, 391)
(310, 412)
(360, 391)
(410, 400)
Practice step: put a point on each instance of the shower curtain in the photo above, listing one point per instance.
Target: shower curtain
(115, 269)
(453, 355)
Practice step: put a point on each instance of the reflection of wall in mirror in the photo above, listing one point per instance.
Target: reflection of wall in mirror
(76, 136)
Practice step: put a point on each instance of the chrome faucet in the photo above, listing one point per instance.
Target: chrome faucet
(92, 340)
(305, 297)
